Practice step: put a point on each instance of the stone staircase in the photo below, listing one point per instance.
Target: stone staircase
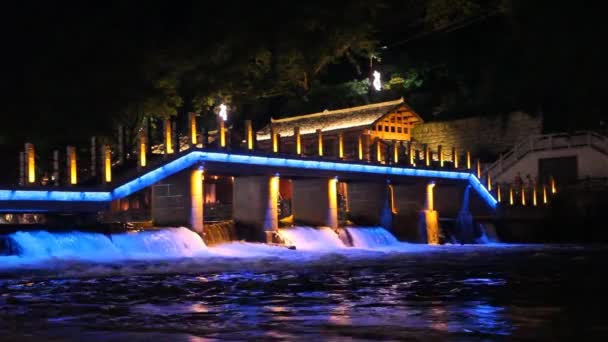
(537, 144)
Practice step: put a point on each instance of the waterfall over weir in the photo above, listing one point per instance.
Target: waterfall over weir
(308, 238)
(164, 243)
(372, 237)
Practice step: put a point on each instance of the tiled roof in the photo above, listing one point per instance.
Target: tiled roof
(330, 120)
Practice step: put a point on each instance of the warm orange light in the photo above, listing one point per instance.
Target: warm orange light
(489, 182)
(275, 140)
(143, 149)
(72, 167)
(427, 155)
(498, 193)
(534, 196)
(30, 157)
(391, 192)
(478, 168)
(320, 142)
(379, 156)
(455, 157)
(468, 160)
(249, 134)
(395, 152)
(298, 137)
(440, 153)
(107, 161)
(222, 132)
(553, 187)
(429, 197)
(193, 130)
(168, 137)
(544, 194)
(410, 153)
(197, 178)
(523, 195)
(360, 147)
(332, 196)
(340, 145)
(510, 195)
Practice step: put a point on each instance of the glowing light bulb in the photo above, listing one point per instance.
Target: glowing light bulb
(223, 112)
(377, 83)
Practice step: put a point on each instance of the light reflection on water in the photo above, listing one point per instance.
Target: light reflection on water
(455, 293)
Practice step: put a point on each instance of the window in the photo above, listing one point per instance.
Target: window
(379, 128)
(386, 128)
(393, 119)
(398, 129)
(405, 130)
(393, 129)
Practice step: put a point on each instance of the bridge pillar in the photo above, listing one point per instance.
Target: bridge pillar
(255, 205)
(315, 202)
(178, 200)
(197, 201)
(409, 202)
(369, 204)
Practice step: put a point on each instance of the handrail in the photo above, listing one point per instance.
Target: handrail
(547, 142)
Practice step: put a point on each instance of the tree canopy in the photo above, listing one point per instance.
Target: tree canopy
(75, 71)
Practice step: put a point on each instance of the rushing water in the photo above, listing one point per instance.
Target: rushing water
(167, 285)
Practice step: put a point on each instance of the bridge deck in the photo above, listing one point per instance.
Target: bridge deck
(224, 162)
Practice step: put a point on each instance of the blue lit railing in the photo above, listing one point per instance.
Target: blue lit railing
(193, 157)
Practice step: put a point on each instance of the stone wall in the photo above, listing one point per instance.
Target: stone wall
(485, 137)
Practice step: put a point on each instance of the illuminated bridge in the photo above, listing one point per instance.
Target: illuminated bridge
(323, 191)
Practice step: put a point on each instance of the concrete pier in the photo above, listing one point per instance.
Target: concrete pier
(255, 203)
(369, 204)
(315, 202)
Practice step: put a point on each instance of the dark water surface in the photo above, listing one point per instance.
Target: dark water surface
(454, 292)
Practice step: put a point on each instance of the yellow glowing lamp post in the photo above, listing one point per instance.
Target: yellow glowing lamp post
(168, 137)
(468, 160)
(320, 142)
(523, 195)
(275, 140)
(534, 196)
(30, 159)
(360, 147)
(498, 193)
(478, 162)
(427, 155)
(193, 130)
(298, 139)
(411, 154)
(511, 195)
(222, 133)
(395, 152)
(340, 145)
(489, 182)
(553, 187)
(544, 193)
(249, 134)
(440, 154)
(455, 157)
(379, 156)
(143, 148)
(71, 165)
(107, 164)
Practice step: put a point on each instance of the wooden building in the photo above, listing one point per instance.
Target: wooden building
(387, 122)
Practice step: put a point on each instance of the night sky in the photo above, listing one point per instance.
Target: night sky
(72, 70)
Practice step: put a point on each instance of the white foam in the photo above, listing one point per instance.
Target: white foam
(311, 239)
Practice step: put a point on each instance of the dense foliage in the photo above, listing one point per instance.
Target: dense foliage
(78, 70)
